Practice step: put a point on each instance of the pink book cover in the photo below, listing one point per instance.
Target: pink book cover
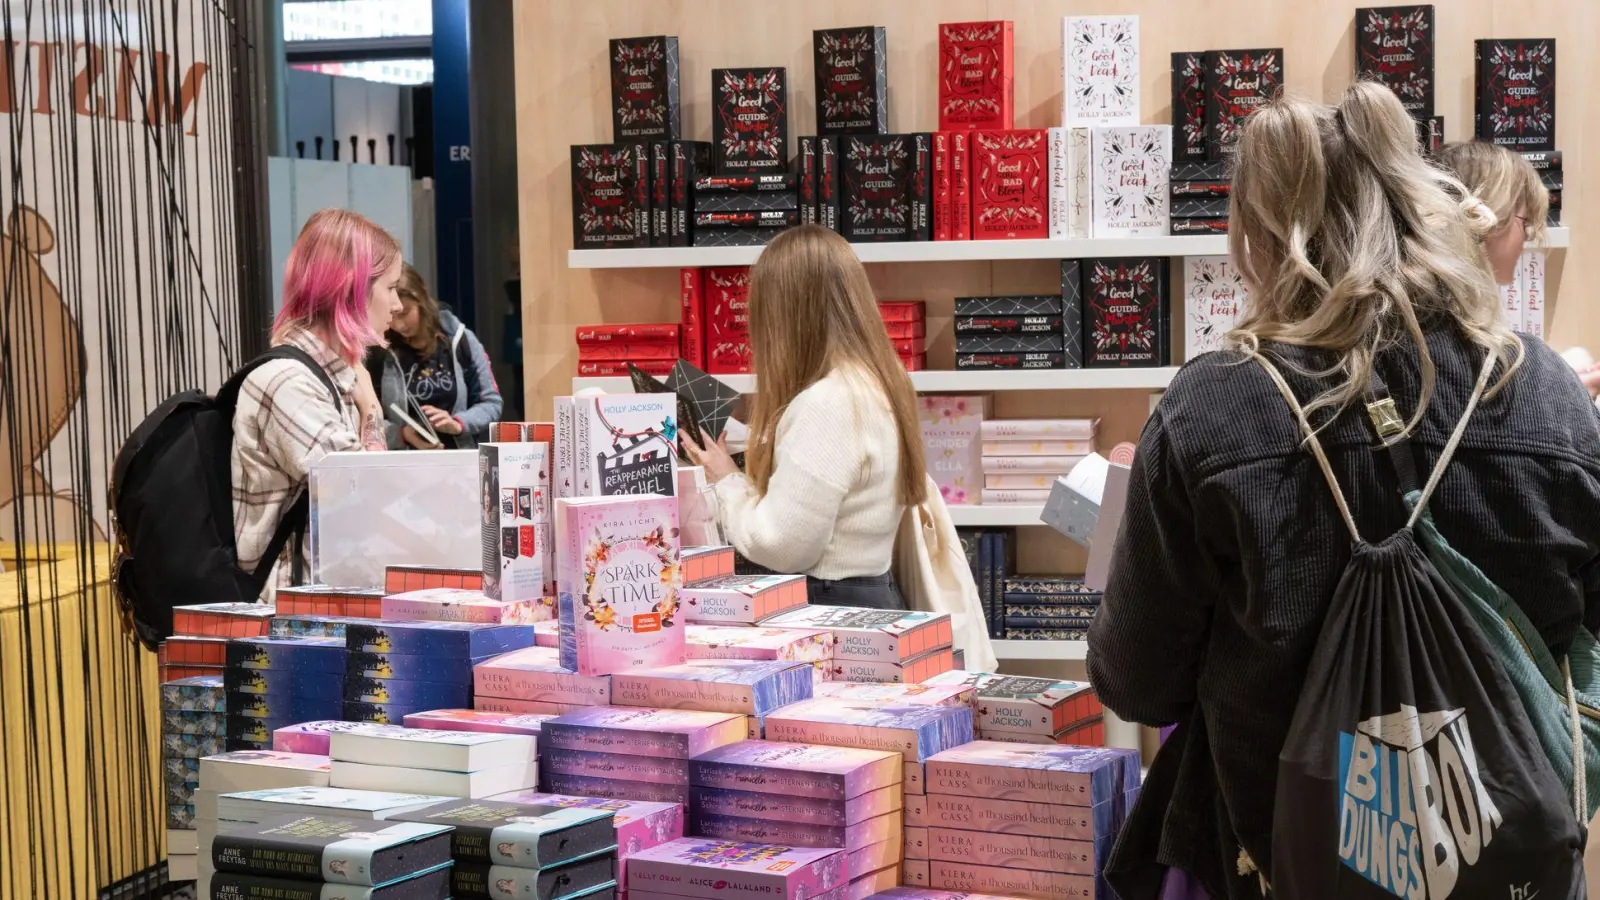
(742, 599)
(616, 789)
(547, 634)
(1040, 429)
(916, 843)
(871, 634)
(796, 834)
(1015, 496)
(1046, 820)
(898, 694)
(916, 732)
(1040, 447)
(1053, 466)
(524, 707)
(462, 605)
(698, 867)
(999, 880)
(312, 737)
(1019, 851)
(918, 668)
(797, 770)
(871, 883)
(640, 824)
(477, 720)
(790, 808)
(619, 578)
(914, 872)
(678, 733)
(1047, 773)
(951, 443)
(535, 673)
(1018, 703)
(759, 642)
(746, 687)
(873, 857)
(617, 766)
(915, 778)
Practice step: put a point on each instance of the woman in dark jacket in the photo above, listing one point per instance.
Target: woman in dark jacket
(1359, 257)
(437, 371)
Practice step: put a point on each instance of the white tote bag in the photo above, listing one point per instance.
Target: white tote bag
(933, 575)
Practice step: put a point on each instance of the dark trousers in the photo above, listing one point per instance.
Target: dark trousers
(871, 591)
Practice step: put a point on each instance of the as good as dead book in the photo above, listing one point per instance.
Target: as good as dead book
(644, 88)
(852, 78)
(1099, 70)
(1394, 47)
(750, 120)
(341, 851)
(1131, 168)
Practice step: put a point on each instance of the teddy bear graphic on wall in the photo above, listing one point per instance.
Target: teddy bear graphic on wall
(46, 358)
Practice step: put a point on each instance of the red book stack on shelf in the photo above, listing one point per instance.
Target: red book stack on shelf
(907, 326)
(606, 350)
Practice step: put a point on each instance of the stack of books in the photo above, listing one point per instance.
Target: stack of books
(1022, 710)
(533, 681)
(323, 856)
(1214, 91)
(313, 737)
(631, 754)
(275, 682)
(1548, 164)
(322, 600)
(1032, 331)
(304, 626)
(200, 635)
(606, 350)
(504, 849)
(1200, 197)
(804, 795)
(708, 869)
(398, 668)
(443, 604)
(742, 210)
(451, 763)
(638, 824)
(478, 720)
(193, 720)
(749, 688)
(190, 656)
(741, 599)
(807, 645)
(1046, 608)
(247, 770)
(906, 322)
(1022, 458)
(716, 318)
(878, 645)
(941, 690)
(399, 578)
(1019, 819)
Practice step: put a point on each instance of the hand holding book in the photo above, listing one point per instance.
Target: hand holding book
(711, 455)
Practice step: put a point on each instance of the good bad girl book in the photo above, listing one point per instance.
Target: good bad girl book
(619, 578)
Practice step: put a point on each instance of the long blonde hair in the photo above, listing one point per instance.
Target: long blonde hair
(1503, 180)
(1348, 240)
(812, 311)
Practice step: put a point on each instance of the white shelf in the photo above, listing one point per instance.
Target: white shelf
(943, 251)
(968, 381)
(997, 516)
(1044, 650)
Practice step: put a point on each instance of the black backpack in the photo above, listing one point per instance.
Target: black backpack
(172, 508)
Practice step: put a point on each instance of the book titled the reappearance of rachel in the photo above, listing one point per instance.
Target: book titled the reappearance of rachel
(330, 849)
(916, 732)
(676, 733)
(700, 867)
(746, 687)
(518, 834)
(1131, 166)
(619, 579)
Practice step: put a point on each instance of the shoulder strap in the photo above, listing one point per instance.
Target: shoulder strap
(1316, 445)
(1387, 425)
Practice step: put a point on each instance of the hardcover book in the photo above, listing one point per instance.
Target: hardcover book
(222, 619)
(975, 76)
(741, 599)
(921, 189)
(461, 605)
(807, 189)
(692, 303)
(759, 643)
(660, 192)
(878, 171)
(1010, 184)
(514, 484)
(1238, 82)
(916, 732)
(1394, 47)
(644, 88)
(747, 687)
(1080, 184)
(1016, 343)
(1214, 297)
(707, 868)
(918, 668)
(748, 183)
(751, 202)
(727, 319)
(259, 770)
(775, 218)
(1199, 207)
(1069, 776)
(330, 849)
(1072, 313)
(830, 190)
(852, 72)
(518, 834)
(431, 885)
(750, 120)
(960, 186)
(672, 733)
(619, 580)
(1515, 93)
(522, 775)
(1125, 313)
(203, 693)
(452, 751)
(1131, 167)
(536, 674)
(949, 426)
(872, 634)
(588, 879)
(1188, 107)
(735, 236)
(630, 439)
(943, 201)
(605, 195)
(259, 806)
(690, 161)
(1060, 185)
(1199, 226)
(638, 825)
(1016, 305)
(798, 770)
(400, 578)
(995, 326)
(1100, 70)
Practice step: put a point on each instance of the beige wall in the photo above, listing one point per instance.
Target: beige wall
(563, 95)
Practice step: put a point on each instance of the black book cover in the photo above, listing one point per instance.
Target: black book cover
(1197, 189)
(433, 885)
(734, 237)
(1544, 161)
(771, 218)
(1017, 305)
(1394, 47)
(1199, 207)
(641, 192)
(690, 160)
(1072, 312)
(750, 120)
(330, 849)
(852, 72)
(1188, 107)
(660, 192)
(1516, 93)
(1002, 325)
(921, 187)
(829, 186)
(743, 184)
(1212, 170)
(877, 174)
(644, 89)
(604, 196)
(1238, 82)
(1044, 360)
(808, 179)
(1124, 312)
(471, 879)
(526, 835)
(1016, 343)
(1200, 226)
(753, 201)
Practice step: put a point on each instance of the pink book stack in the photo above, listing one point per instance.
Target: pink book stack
(709, 869)
(640, 824)
(533, 681)
(1024, 710)
(741, 599)
(1018, 819)
(805, 795)
(814, 646)
(935, 693)
(747, 687)
(1022, 458)
(478, 720)
(462, 605)
(631, 754)
(951, 443)
(915, 732)
(876, 645)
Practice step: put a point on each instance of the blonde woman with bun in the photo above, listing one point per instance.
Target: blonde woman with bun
(1359, 257)
(835, 451)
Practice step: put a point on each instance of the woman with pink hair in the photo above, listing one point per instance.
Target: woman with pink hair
(338, 297)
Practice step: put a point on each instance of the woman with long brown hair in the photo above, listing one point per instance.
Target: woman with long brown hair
(835, 452)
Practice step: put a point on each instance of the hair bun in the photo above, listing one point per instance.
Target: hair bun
(1480, 218)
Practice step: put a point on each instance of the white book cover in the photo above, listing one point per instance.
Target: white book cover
(1100, 70)
(1131, 170)
(259, 770)
(425, 748)
(1511, 300)
(1213, 300)
(516, 520)
(629, 442)
(564, 486)
(475, 785)
(1533, 293)
(1080, 184)
(1060, 184)
(254, 806)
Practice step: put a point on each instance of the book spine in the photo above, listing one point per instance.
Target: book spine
(641, 192)
(771, 218)
(942, 213)
(1080, 213)
(1199, 207)
(252, 856)
(921, 188)
(1533, 286)
(723, 184)
(1006, 325)
(650, 331)
(985, 579)
(611, 368)
(808, 180)
(583, 413)
(692, 302)
(961, 186)
(828, 183)
(1199, 226)
(1011, 361)
(660, 191)
(563, 447)
(1072, 313)
(625, 351)
(1060, 205)
(1003, 556)
(1188, 107)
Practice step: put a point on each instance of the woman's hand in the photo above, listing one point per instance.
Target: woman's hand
(711, 455)
(369, 411)
(442, 422)
(410, 436)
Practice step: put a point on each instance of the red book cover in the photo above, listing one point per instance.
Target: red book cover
(692, 334)
(942, 213)
(901, 310)
(619, 368)
(960, 187)
(1011, 194)
(975, 76)
(915, 363)
(628, 350)
(651, 331)
(910, 347)
(727, 293)
(900, 331)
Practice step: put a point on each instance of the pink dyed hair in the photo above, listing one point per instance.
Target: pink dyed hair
(331, 268)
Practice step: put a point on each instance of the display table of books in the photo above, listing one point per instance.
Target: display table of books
(603, 707)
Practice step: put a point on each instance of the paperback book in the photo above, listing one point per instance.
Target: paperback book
(950, 427)
(852, 80)
(330, 849)
(709, 868)
(644, 88)
(1099, 70)
(431, 885)
(758, 643)
(671, 733)
(872, 634)
(1070, 776)
(1395, 47)
(1131, 169)
(862, 834)
(478, 720)
(450, 751)
(462, 605)
(1023, 704)
(750, 120)
(619, 581)
(741, 599)
(536, 675)
(451, 640)
(746, 687)
(1010, 184)
(916, 732)
(518, 834)
(797, 770)
(631, 443)
(690, 161)
(515, 488)
(783, 807)
(975, 76)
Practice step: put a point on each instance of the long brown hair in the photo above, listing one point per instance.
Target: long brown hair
(1348, 239)
(412, 289)
(812, 311)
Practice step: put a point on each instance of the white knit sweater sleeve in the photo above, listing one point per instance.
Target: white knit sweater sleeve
(816, 462)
